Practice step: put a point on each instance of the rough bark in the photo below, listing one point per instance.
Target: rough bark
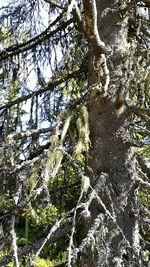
(111, 162)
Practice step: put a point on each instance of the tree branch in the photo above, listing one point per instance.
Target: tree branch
(143, 165)
(34, 247)
(38, 151)
(146, 2)
(92, 33)
(54, 228)
(16, 199)
(54, 3)
(98, 46)
(50, 86)
(143, 183)
(32, 43)
(142, 112)
(22, 135)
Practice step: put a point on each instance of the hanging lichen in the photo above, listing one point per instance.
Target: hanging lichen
(83, 131)
(55, 154)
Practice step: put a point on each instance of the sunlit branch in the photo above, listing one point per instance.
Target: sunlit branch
(98, 46)
(54, 4)
(146, 178)
(14, 240)
(78, 18)
(92, 33)
(54, 229)
(142, 130)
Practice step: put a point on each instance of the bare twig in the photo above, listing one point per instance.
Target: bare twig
(144, 167)
(52, 231)
(70, 249)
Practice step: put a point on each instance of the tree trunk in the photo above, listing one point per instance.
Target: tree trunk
(112, 227)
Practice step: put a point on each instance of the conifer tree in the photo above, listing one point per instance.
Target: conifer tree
(74, 133)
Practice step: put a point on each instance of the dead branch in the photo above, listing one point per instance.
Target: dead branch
(90, 236)
(141, 27)
(71, 243)
(38, 151)
(12, 226)
(142, 130)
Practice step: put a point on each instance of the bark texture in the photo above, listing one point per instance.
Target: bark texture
(111, 162)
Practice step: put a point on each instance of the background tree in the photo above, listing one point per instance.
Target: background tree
(74, 133)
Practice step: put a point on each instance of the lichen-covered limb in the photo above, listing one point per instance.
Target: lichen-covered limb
(99, 49)
(92, 34)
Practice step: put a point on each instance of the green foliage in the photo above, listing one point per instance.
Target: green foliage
(5, 203)
(144, 151)
(40, 220)
(146, 256)
(5, 34)
(43, 263)
(144, 197)
(40, 262)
